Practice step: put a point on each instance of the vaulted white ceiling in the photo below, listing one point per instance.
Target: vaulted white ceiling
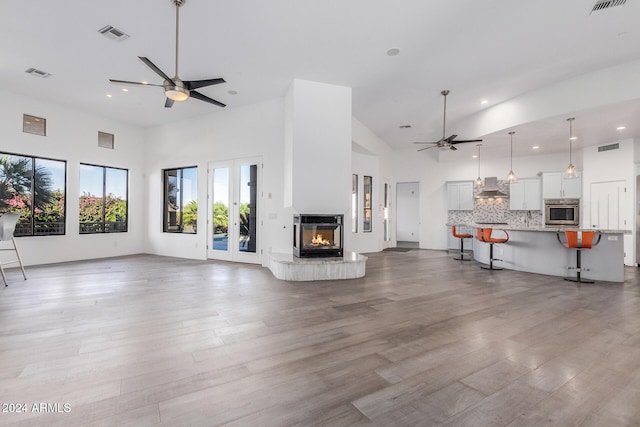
(492, 49)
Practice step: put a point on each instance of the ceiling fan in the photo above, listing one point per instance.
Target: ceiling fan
(446, 143)
(176, 89)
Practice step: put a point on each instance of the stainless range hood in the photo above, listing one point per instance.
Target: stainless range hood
(490, 189)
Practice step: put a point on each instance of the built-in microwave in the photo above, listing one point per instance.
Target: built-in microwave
(562, 211)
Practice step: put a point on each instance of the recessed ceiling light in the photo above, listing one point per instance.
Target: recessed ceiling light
(124, 89)
(621, 128)
(484, 101)
(404, 126)
(145, 83)
(232, 92)
(109, 95)
(393, 51)
(474, 156)
(573, 138)
(535, 147)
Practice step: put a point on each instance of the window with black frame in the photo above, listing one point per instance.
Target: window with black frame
(354, 203)
(34, 187)
(180, 200)
(103, 199)
(367, 221)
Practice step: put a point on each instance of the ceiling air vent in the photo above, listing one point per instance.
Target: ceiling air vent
(608, 147)
(113, 33)
(606, 4)
(37, 73)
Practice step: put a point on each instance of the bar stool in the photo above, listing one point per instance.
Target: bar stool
(461, 236)
(579, 240)
(484, 235)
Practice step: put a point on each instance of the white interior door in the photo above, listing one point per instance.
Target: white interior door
(607, 205)
(234, 210)
(408, 212)
(386, 215)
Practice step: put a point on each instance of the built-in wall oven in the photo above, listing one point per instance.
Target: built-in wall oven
(562, 211)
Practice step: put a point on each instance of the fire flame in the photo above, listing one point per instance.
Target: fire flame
(318, 240)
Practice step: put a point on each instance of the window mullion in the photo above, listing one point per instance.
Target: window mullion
(104, 200)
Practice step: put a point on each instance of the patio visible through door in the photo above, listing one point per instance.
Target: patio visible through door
(234, 210)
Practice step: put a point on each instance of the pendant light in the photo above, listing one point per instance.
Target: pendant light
(570, 172)
(478, 183)
(512, 178)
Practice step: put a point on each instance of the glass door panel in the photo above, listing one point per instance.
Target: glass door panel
(220, 209)
(234, 228)
(247, 214)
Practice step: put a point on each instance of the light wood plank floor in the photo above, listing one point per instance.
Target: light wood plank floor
(421, 340)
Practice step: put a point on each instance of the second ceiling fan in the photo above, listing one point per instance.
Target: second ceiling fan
(446, 142)
(176, 89)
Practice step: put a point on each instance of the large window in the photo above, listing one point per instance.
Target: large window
(103, 199)
(368, 203)
(35, 188)
(180, 200)
(354, 203)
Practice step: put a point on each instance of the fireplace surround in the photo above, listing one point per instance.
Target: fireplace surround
(317, 235)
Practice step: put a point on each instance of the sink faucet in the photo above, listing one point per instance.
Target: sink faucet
(527, 218)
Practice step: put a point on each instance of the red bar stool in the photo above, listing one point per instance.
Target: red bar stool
(461, 236)
(579, 240)
(484, 235)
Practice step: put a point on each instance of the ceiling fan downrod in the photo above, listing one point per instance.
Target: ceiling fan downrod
(444, 121)
(178, 4)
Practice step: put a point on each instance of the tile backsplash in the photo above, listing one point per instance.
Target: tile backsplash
(493, 211)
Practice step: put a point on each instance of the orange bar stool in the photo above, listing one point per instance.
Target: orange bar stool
(461, 236)
(484, 235)
(579, 240)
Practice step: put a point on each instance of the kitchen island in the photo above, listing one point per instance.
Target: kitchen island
(535, 249)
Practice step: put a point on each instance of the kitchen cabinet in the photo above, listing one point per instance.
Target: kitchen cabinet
(526, 195)
(556, 186)
(460, 195)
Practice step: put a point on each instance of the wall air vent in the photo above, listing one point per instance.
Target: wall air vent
(113, 33)
(606, 4)
(37, 73)
(608, 147)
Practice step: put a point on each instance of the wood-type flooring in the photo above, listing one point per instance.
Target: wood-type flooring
(422, 340)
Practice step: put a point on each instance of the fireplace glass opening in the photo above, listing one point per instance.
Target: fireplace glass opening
(317, 235)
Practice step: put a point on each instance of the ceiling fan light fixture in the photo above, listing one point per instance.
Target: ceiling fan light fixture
(176, 93)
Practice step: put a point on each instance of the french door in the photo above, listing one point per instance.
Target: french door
(234, 210)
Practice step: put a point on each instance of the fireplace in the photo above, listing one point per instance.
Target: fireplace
(317, 235)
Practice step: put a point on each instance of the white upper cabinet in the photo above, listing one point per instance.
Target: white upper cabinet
(556, 186)
(460, 196)
(526, 195)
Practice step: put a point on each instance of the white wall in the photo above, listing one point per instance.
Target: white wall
(371, 157)
(72, 135)
(254, 130)
(318, 147)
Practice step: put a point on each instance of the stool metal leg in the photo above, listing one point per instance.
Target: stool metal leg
(462, 258)
(579, 278)
(490, 266)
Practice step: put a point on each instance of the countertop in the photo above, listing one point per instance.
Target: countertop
(522, 227)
